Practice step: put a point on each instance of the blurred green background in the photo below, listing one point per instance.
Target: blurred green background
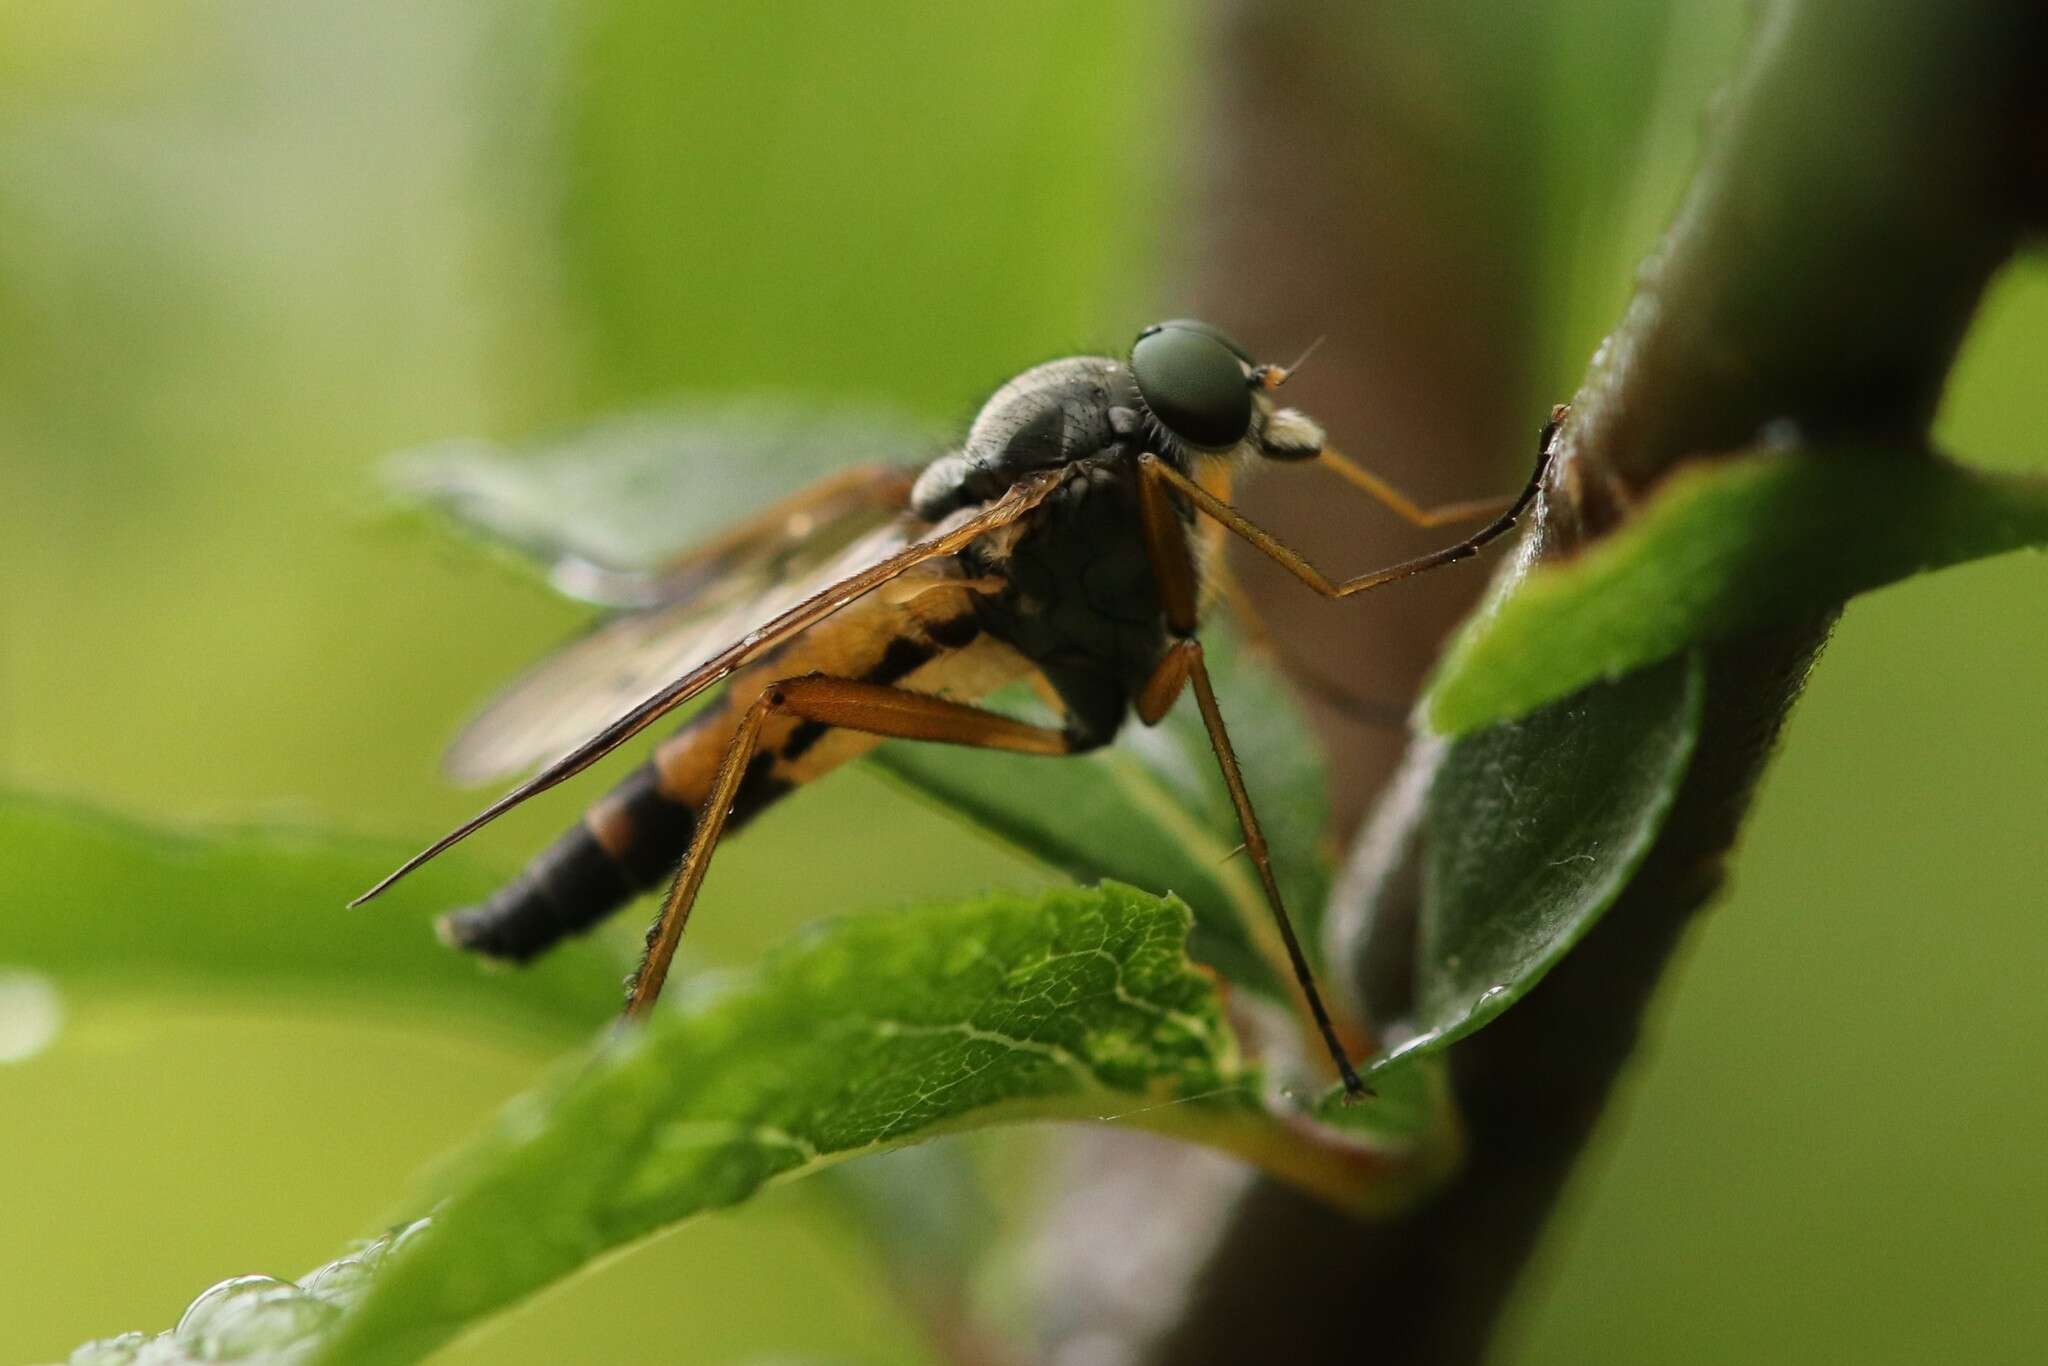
(245, 250)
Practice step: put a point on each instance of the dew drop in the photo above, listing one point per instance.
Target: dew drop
(114, 1351)
(31, 1014)
(250, 1314)
(405, 1233)
(340, 1282)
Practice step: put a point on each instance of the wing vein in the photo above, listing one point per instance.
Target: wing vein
(1019, 499)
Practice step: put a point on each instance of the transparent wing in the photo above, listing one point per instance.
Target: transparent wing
(830, 592)
(633, 509)
(697, 604)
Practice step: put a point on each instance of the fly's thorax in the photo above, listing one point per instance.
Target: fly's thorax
(1058, 413)
(1080, 599)
(1085, 408)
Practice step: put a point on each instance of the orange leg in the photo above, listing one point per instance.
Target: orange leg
(1158, 480)
(1182, 665)
(872, 708)
(1399, 503)
(1167, 547)
(1259, 637)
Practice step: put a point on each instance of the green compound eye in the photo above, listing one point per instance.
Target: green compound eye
(1192, 377)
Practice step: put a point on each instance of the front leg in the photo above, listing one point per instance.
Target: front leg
(1158, 480)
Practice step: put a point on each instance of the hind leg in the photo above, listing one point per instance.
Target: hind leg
(872, 708)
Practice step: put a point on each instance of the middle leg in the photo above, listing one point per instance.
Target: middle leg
(1182, 666)
(1174, 571)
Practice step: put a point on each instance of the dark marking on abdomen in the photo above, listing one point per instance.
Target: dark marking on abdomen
(632, 840)
(953, 633)
(904, 656)
(629, 843)
(655, 828)
(572, 885)
(801, 737)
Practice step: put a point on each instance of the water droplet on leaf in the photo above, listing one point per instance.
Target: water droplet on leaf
(114, 1351)
(340, 1282)
(250, 1314)
(31, 1014)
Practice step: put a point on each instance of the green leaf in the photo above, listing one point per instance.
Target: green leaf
(1410, 1099)
(867, 1033)
(95, 900)
(1151, 810)
(1725, 546)
(1533, 828)
(630, 491)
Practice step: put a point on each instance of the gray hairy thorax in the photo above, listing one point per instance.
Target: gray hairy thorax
(1081, 601)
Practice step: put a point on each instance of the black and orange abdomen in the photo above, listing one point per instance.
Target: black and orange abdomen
(577, 881)
(921, 634)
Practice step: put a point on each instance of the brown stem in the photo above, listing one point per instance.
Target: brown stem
(1336, 201)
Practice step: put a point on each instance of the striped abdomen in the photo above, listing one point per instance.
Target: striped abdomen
(920, 632)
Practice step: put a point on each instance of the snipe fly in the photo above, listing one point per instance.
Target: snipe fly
(1061, 543)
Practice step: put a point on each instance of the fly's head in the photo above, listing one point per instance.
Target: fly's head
(1204, 395)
